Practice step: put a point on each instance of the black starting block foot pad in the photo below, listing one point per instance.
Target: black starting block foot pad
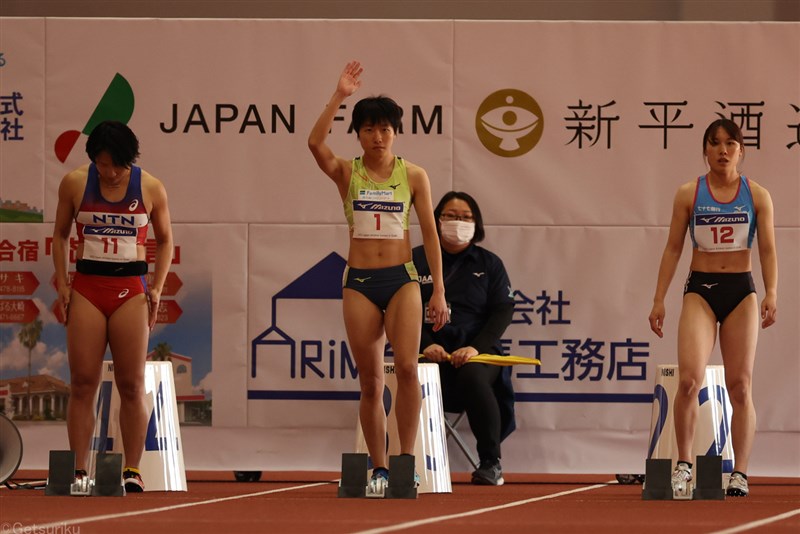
(108, 475)
(401, 478)
(657, 480)
(61, 473)
(354, 475)
(708, 486)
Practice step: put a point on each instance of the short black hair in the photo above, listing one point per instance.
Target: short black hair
(480, 234)
(377, 110)
(115, 138)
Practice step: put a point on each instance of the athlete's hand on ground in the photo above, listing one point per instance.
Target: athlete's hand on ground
(657, 318)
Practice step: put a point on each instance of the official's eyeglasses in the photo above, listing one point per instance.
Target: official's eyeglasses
(467, 217)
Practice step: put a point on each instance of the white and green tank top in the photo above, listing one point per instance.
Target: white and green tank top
(378, 210)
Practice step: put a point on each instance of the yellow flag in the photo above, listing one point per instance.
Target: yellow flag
(503, 361)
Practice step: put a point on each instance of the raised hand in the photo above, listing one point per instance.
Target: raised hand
(348, 81)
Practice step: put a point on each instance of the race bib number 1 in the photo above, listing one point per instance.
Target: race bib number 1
(377, 216)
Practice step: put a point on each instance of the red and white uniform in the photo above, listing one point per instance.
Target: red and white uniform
(111, 231)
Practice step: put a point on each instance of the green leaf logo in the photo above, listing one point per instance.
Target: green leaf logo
(116, 104)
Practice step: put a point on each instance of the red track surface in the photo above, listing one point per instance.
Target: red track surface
(306, 502)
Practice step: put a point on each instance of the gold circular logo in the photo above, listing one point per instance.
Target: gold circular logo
(509, 123)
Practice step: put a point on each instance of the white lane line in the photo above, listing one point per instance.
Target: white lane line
(438, 519)
(759, 523)
(92, 519)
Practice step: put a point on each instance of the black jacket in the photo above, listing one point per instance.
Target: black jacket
(479, 292)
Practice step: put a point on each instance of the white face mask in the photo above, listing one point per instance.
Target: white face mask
(457, 232)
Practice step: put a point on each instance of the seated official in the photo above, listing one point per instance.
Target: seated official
(481, 299)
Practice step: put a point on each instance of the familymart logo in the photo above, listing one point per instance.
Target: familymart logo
(116, 104)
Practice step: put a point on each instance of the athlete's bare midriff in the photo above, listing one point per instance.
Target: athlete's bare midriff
(721, 262)
(379, 253)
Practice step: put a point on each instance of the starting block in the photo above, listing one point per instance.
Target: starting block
(108, 476)
(355, 466)
(60, 473)
(354, 475)
(709, 479)
(401, 478)
(61, 476)
(657, 480)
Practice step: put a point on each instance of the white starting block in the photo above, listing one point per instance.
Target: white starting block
(430, 450)
(162, 464)
(713, 431)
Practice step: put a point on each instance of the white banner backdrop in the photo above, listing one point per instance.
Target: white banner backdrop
(223, 108)
(622, 109)
(573, 136)
(22, 80)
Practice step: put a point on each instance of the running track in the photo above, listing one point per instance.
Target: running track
(285, 503)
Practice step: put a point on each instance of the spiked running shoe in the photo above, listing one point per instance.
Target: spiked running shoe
(489, 473)
(82, 485)
(682, 485)
(132, 480)
(737, 485)
(376, 489)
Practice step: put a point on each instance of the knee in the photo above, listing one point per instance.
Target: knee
(406, 373)
(130, 389)
(83, 387)
(371, 388)
(740, 391)
(688, 386)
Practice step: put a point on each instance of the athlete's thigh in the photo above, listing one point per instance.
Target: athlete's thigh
(697, 333)
(86, 339)
(738, 337)
(363, 322)
(404, 321)
(128, 333)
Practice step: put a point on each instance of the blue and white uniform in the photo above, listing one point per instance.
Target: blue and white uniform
(722, 226)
